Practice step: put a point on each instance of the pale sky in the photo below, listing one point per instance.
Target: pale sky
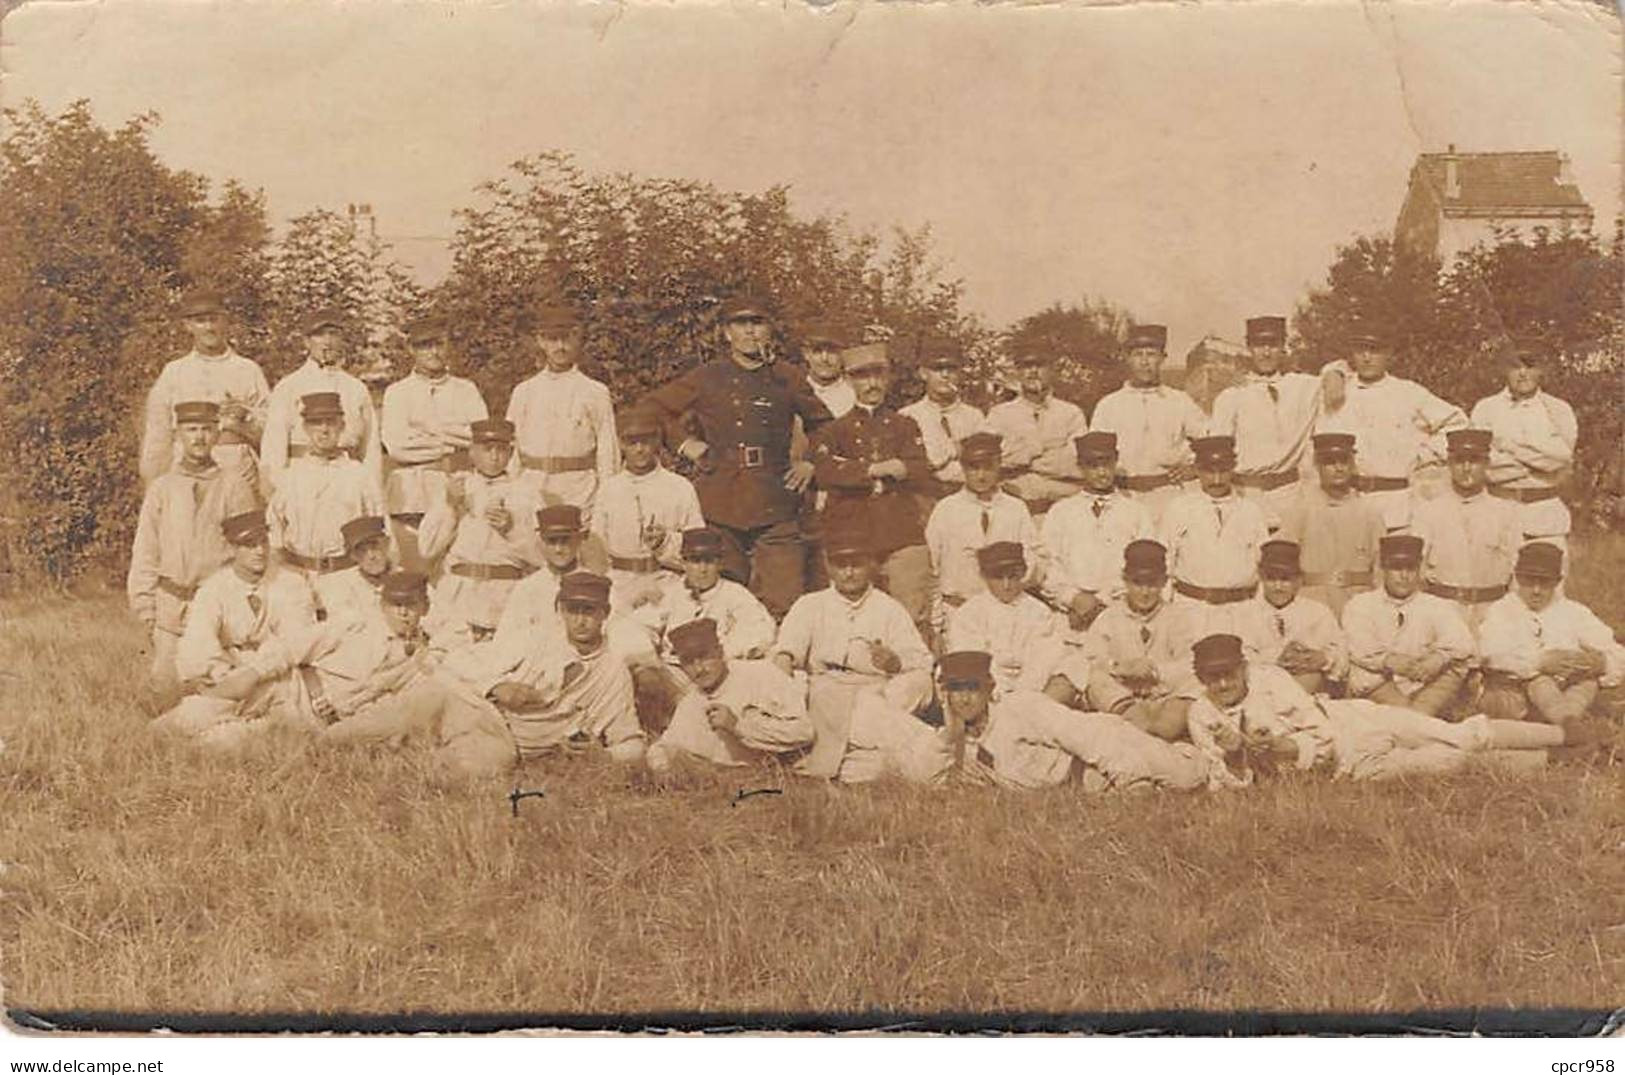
(1197, 163)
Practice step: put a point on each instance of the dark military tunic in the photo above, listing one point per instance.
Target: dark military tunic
(744, 417)
(842, 454)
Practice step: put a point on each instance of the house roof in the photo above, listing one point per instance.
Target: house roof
(1515, 181)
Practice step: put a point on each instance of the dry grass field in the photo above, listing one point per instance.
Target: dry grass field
(141, 877)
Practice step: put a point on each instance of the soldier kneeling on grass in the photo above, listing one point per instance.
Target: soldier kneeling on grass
(1252, 721)
(549, 692)
(324, 676)
(1021, 740)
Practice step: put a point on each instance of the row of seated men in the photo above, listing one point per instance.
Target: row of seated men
(485, 550)
(1148, 695)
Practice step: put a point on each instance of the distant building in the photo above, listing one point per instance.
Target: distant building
(1456, 200)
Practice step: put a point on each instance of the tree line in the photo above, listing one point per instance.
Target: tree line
(99, 239)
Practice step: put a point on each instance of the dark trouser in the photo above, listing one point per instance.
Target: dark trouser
(769, 559)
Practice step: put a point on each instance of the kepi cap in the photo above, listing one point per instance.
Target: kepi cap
(742, 302)
(966, 669)
(405, 588)
(1220, 448)
(491, 431)
(201, 302)
(867, 356)
(981, 448)
(197, 410)
(1001, 557)
(245, 528)
(558, 519)
(696, 638)
(638, 422)
(1333, 445)
(550, 317)
(1539, 560)
(321, 405)
(1279, 559)
(1145, 560)
(1399, 550)
(702, 542)
(1216, 653)
(1154, 337)
(939, 352)
(584, 587)
(1266, 331)
(326, 317)
(1096, 446)
(1468, 443)
(360, 530)
(850, 541)
(426, 330)
(822, 334)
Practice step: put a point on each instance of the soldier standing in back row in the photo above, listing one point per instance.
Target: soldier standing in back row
(425, 417)
(1038, 430)
(944, 418)
(732, 419)
(1532, 446)
(210, 372)
(1270, 414)
(564, 420)
(284, 438)
(1398, 425)
(1154, 423)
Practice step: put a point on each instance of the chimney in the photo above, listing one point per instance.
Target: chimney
(1565, 171)
(1452, 178)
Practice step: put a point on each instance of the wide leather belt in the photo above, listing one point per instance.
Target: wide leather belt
(354, 451)
(1215, 595)
(1265, 482)
(752, 456)
(1524, 496)
(1337, 578)
(1474, 595)
(952, 600)
(491, 572)
(175, 589)
(643, 565)
(558, 464)
(1381, 485)
(231, 436)
(1143, 483)
(451, 461)
(320, 564)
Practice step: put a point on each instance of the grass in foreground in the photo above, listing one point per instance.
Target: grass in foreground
(142, 876)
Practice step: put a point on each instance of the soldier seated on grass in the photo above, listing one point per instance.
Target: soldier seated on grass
(1283, 628)
(1022, 632)
(739, 712)
(238, 609)
(542, 694)
(322, 677)
(1406, 647)
(1021, 740)
(1252, 721)
(354, 593)
(1545, 656)
(851, 639)
(1135, 657)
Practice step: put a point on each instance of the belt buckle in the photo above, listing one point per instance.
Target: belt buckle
(752, 454)
(1337, 579)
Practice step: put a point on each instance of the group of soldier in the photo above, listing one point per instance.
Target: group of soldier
(1337, 572)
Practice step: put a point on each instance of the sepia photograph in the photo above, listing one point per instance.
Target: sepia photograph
(911, 518)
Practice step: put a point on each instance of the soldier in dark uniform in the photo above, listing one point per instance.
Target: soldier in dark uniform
(872, 464)
(732, 418)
